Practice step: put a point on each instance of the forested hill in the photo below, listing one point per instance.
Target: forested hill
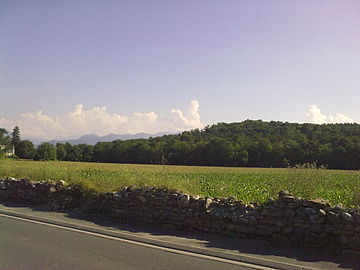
(248, 143)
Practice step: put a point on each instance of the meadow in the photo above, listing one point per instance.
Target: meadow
(246, 184)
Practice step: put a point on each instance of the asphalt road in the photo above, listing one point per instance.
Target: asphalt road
(26, 245)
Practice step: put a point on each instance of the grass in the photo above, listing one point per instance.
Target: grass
(247, 184)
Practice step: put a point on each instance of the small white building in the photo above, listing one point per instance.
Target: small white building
(8, 152)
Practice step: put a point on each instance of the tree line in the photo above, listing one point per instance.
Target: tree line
(252, 143)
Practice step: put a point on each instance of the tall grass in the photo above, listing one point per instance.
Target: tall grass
(247, 184)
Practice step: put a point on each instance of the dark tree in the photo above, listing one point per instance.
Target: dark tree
(4, 137)
(15, 138)
(45, 151)
(60, 151)
(25, 149)
(5, 142)
(87, 152)
(73, 152)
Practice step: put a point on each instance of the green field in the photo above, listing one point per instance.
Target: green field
(247, 184)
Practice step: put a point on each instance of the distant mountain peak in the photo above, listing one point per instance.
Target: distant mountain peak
(93, 138)
(89, 136)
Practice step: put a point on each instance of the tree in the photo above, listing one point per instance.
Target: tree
(15, 138)
(220, 152)
(248, 143)
(102, 151)
(4, 138)
(87, 152)
(73, 152)
(25, 149)
(5, 142)
(45, 151)
(60, 151)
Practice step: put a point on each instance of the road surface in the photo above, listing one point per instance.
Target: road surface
(32, 245)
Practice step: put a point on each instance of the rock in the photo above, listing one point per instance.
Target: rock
(347, 217)
(271, 211)
(195, 197)
(60, 183)
(208, 201)
(357, 218)
(333, 217)
(316, 228)
(4, 194)
(262, 229)
(231, 199)
(230, 227)
(349, 229)
(252, 220)
(238, 204)
(287, 230)
(291, 205)
(317, 203)
(289, 213)
(299, 231)
(339, 206)
(284, 193)
(270, 201)
(217, 212)
(184, 200)
(288, 199)
(204, 203)
(250, 206)
(317, 219)
(343, 239)
(309, 211)
(243, 221)
(130, 189)
(300, 211)
(245, 229)
(142, 199)
(2, 184)
(279, 223)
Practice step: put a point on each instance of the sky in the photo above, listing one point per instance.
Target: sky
(69, 68)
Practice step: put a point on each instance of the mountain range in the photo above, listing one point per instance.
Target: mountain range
(93, 138)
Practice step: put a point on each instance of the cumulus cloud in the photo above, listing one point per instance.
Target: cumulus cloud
(191, 120)
(317, 117)
(4, 123)
(98, 120)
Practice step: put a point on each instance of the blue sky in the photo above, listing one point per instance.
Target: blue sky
(73, 67)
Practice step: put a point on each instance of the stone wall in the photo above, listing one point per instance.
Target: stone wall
(290, 219)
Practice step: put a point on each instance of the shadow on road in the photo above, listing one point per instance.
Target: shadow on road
(252, 247)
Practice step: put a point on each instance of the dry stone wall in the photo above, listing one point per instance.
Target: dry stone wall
(290, 219)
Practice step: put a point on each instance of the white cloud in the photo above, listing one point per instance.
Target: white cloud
(317, 117)
(4, 123)
(97, 120)
(39, 124)
(191, 120)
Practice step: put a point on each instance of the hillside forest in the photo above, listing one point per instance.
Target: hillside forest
(251, 143)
